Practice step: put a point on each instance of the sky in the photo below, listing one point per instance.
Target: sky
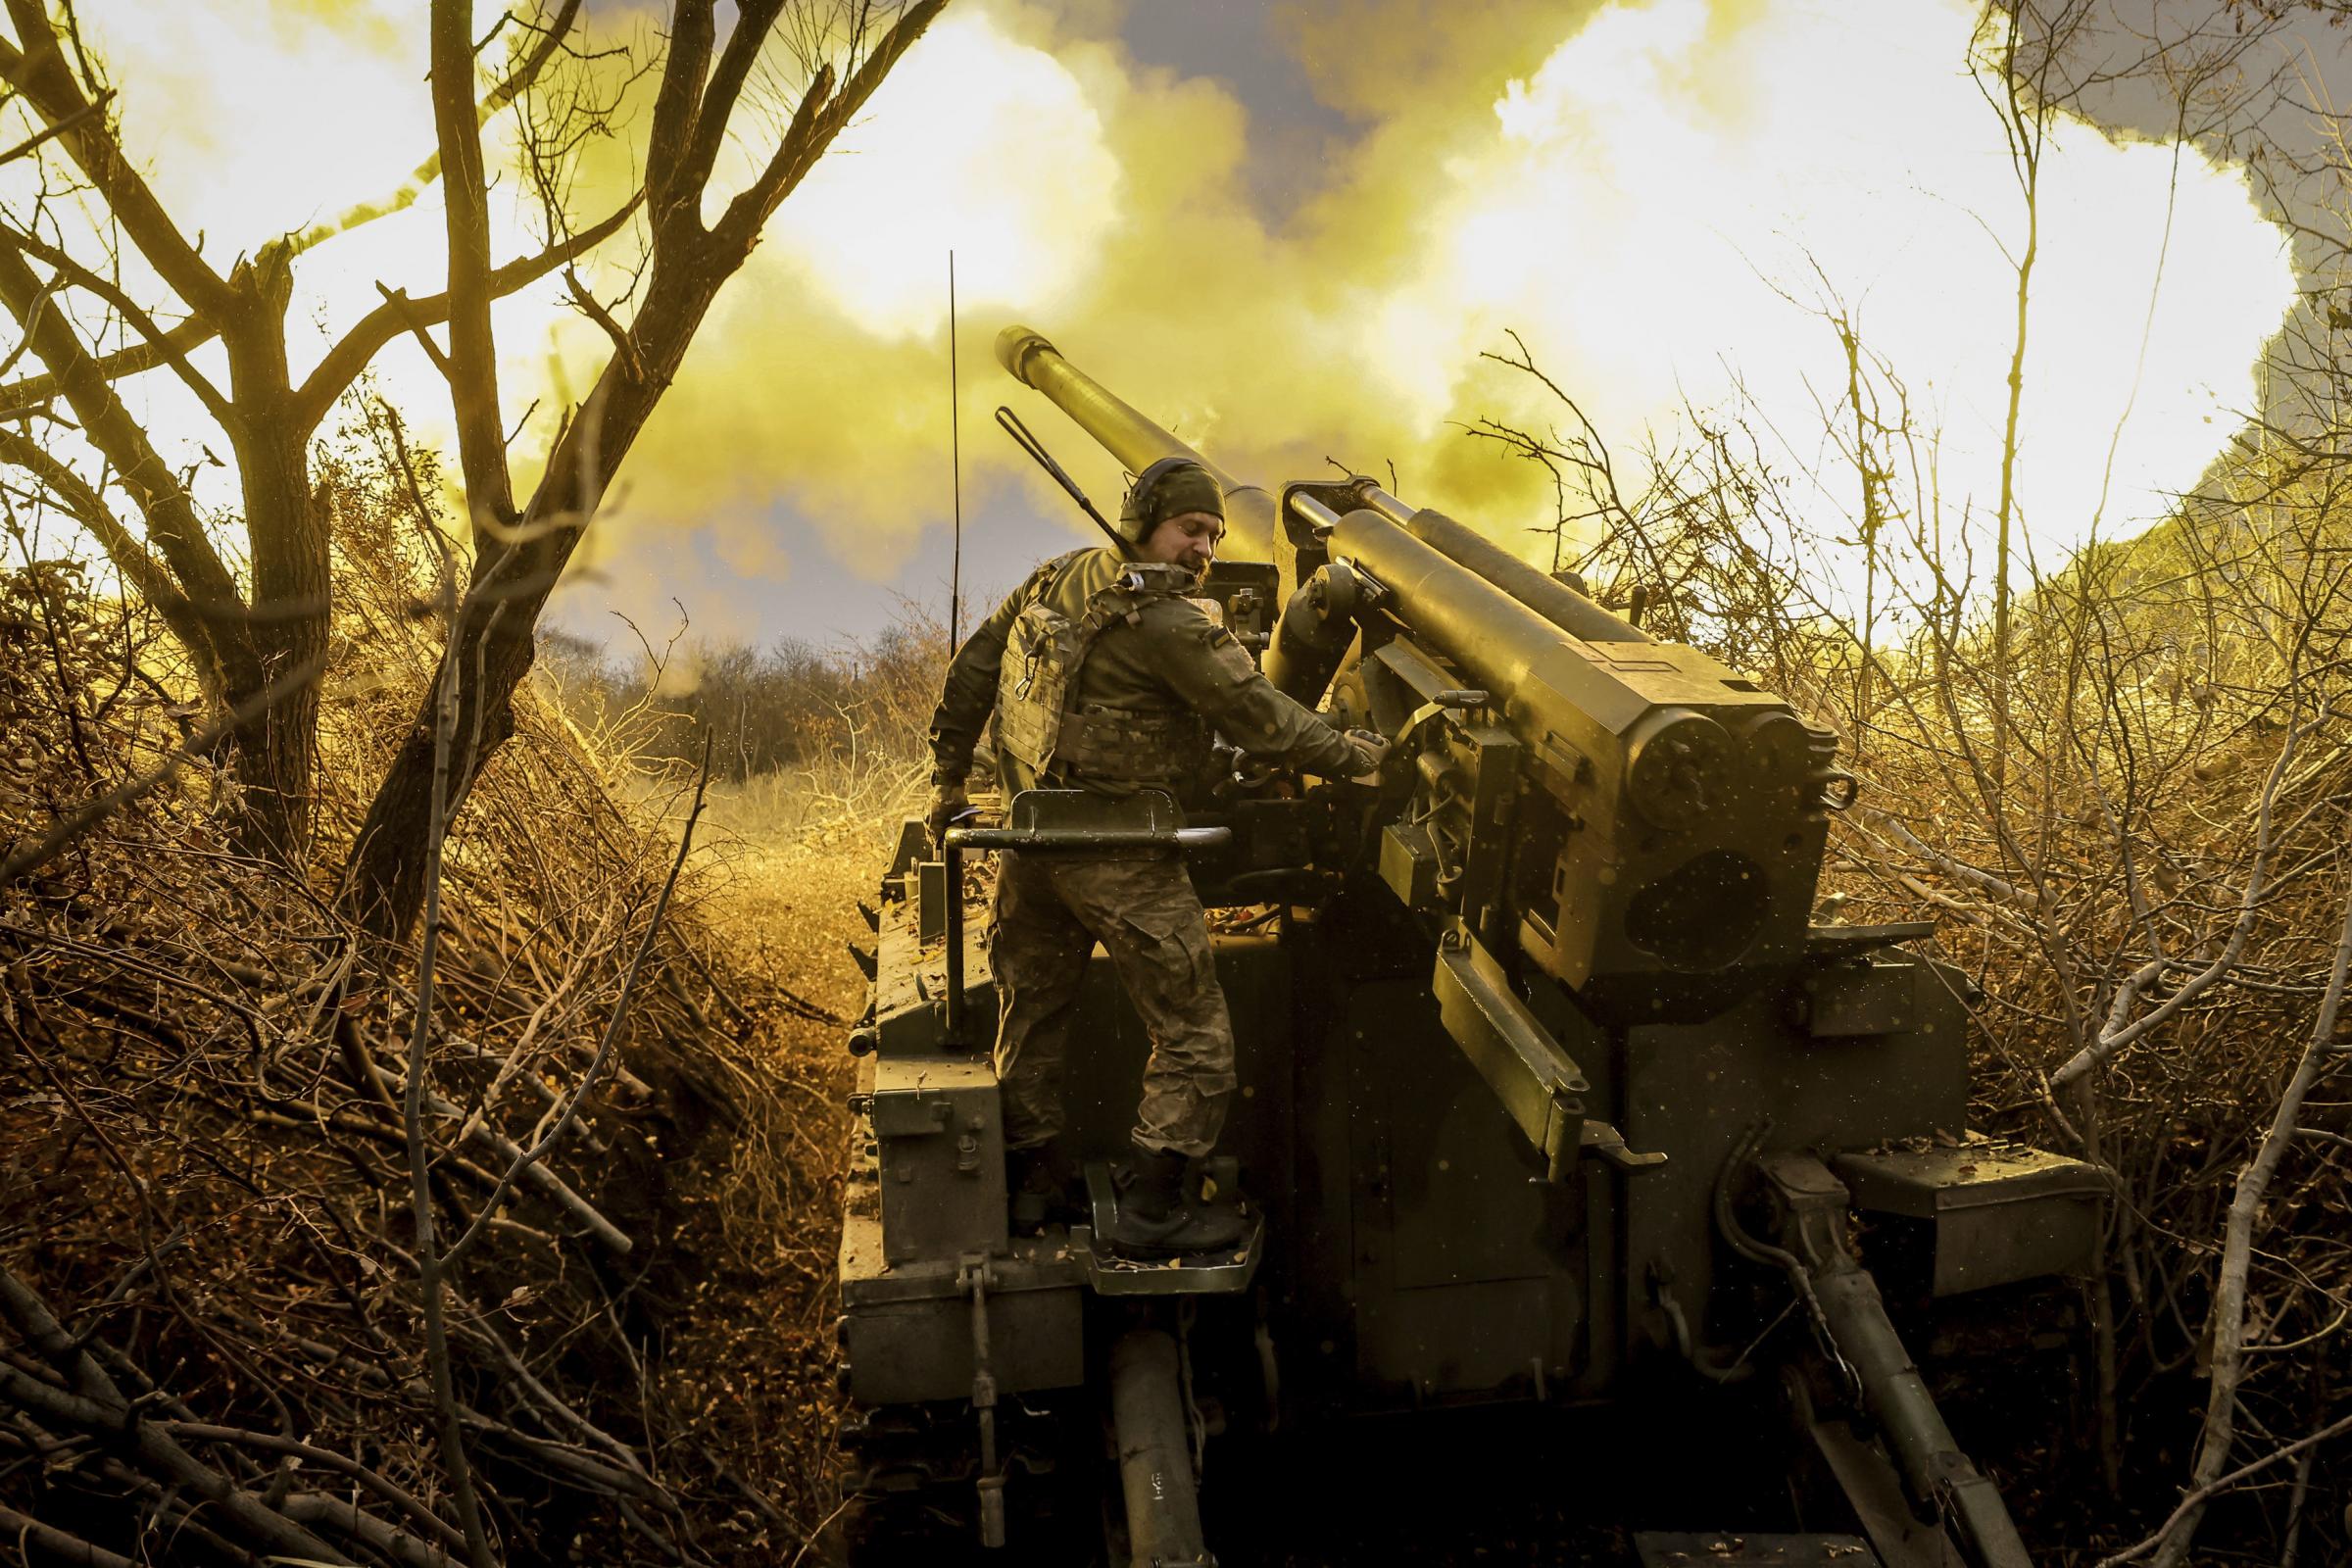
(1290, 233)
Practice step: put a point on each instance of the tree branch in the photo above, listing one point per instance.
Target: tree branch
(2227, 1326)
(678, 110)
(171, 517)
(2112, 1040)
(472, 349)
(421, 179)
(52, 1542)
(38, 67)
(814, 124)
(754, 19)
(624, 347)
(34, 390)
(95, 1405)
(54, 842)
(88, 507)
(531, 1156)
(400, 302)
(325, 1459)
(379, 327)
(40, 139)
(2196, 1500)
(82, 277)
(346, 1519)
(804, 141)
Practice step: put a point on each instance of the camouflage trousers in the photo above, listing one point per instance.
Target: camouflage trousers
(1051, 909)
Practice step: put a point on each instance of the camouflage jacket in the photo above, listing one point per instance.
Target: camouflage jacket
(1158, 655)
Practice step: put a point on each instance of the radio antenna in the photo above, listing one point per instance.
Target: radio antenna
(955, 470)
(1035, 449)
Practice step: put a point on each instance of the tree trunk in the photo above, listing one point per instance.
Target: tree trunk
(275, 758)
(493, 636)
(285, 634)
(494, 639)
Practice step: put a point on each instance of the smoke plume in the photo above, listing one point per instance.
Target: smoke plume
(1659, 198)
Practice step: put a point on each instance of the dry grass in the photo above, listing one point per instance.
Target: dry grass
(200, 1139)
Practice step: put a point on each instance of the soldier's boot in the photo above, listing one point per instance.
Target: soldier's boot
(1156, 1218)
(1039, 1182)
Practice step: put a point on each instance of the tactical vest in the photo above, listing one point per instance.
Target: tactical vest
(1039, 720)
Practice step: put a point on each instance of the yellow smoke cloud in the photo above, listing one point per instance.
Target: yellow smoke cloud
(1662, 200)
(1653, 200)
(872, 228)
(1637, 188)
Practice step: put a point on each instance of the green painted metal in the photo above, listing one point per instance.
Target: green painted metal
(1522, 1033)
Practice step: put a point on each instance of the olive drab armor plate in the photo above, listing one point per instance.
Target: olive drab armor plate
(1038, 717)
(1040, 654)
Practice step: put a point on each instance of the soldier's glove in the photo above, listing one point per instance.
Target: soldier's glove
(1371, 750)
(947, 803)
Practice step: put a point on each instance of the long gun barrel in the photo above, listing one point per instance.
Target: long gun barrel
(1127, 435)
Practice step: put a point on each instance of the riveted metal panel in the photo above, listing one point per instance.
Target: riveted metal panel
(942, 1152)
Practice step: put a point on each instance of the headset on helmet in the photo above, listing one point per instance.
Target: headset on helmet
(1137, 514)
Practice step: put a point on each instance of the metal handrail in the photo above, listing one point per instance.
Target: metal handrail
(1035, 839)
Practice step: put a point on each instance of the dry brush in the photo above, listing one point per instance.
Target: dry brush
(212, 1343)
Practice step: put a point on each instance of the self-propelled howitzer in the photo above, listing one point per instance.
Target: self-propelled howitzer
(1554, 1093)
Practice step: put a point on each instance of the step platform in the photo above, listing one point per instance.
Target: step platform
(1111, 1273)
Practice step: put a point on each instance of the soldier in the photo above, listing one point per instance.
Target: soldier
(1104, 676)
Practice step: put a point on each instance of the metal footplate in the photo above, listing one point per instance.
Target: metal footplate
(1111, 1273)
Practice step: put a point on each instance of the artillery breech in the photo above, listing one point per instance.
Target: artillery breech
(1127, 435)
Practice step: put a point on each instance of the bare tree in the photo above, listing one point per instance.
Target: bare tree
(248, 625)
(241, 637)
(520, 549)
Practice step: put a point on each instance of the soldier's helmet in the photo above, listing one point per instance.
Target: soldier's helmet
(1168, 488)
